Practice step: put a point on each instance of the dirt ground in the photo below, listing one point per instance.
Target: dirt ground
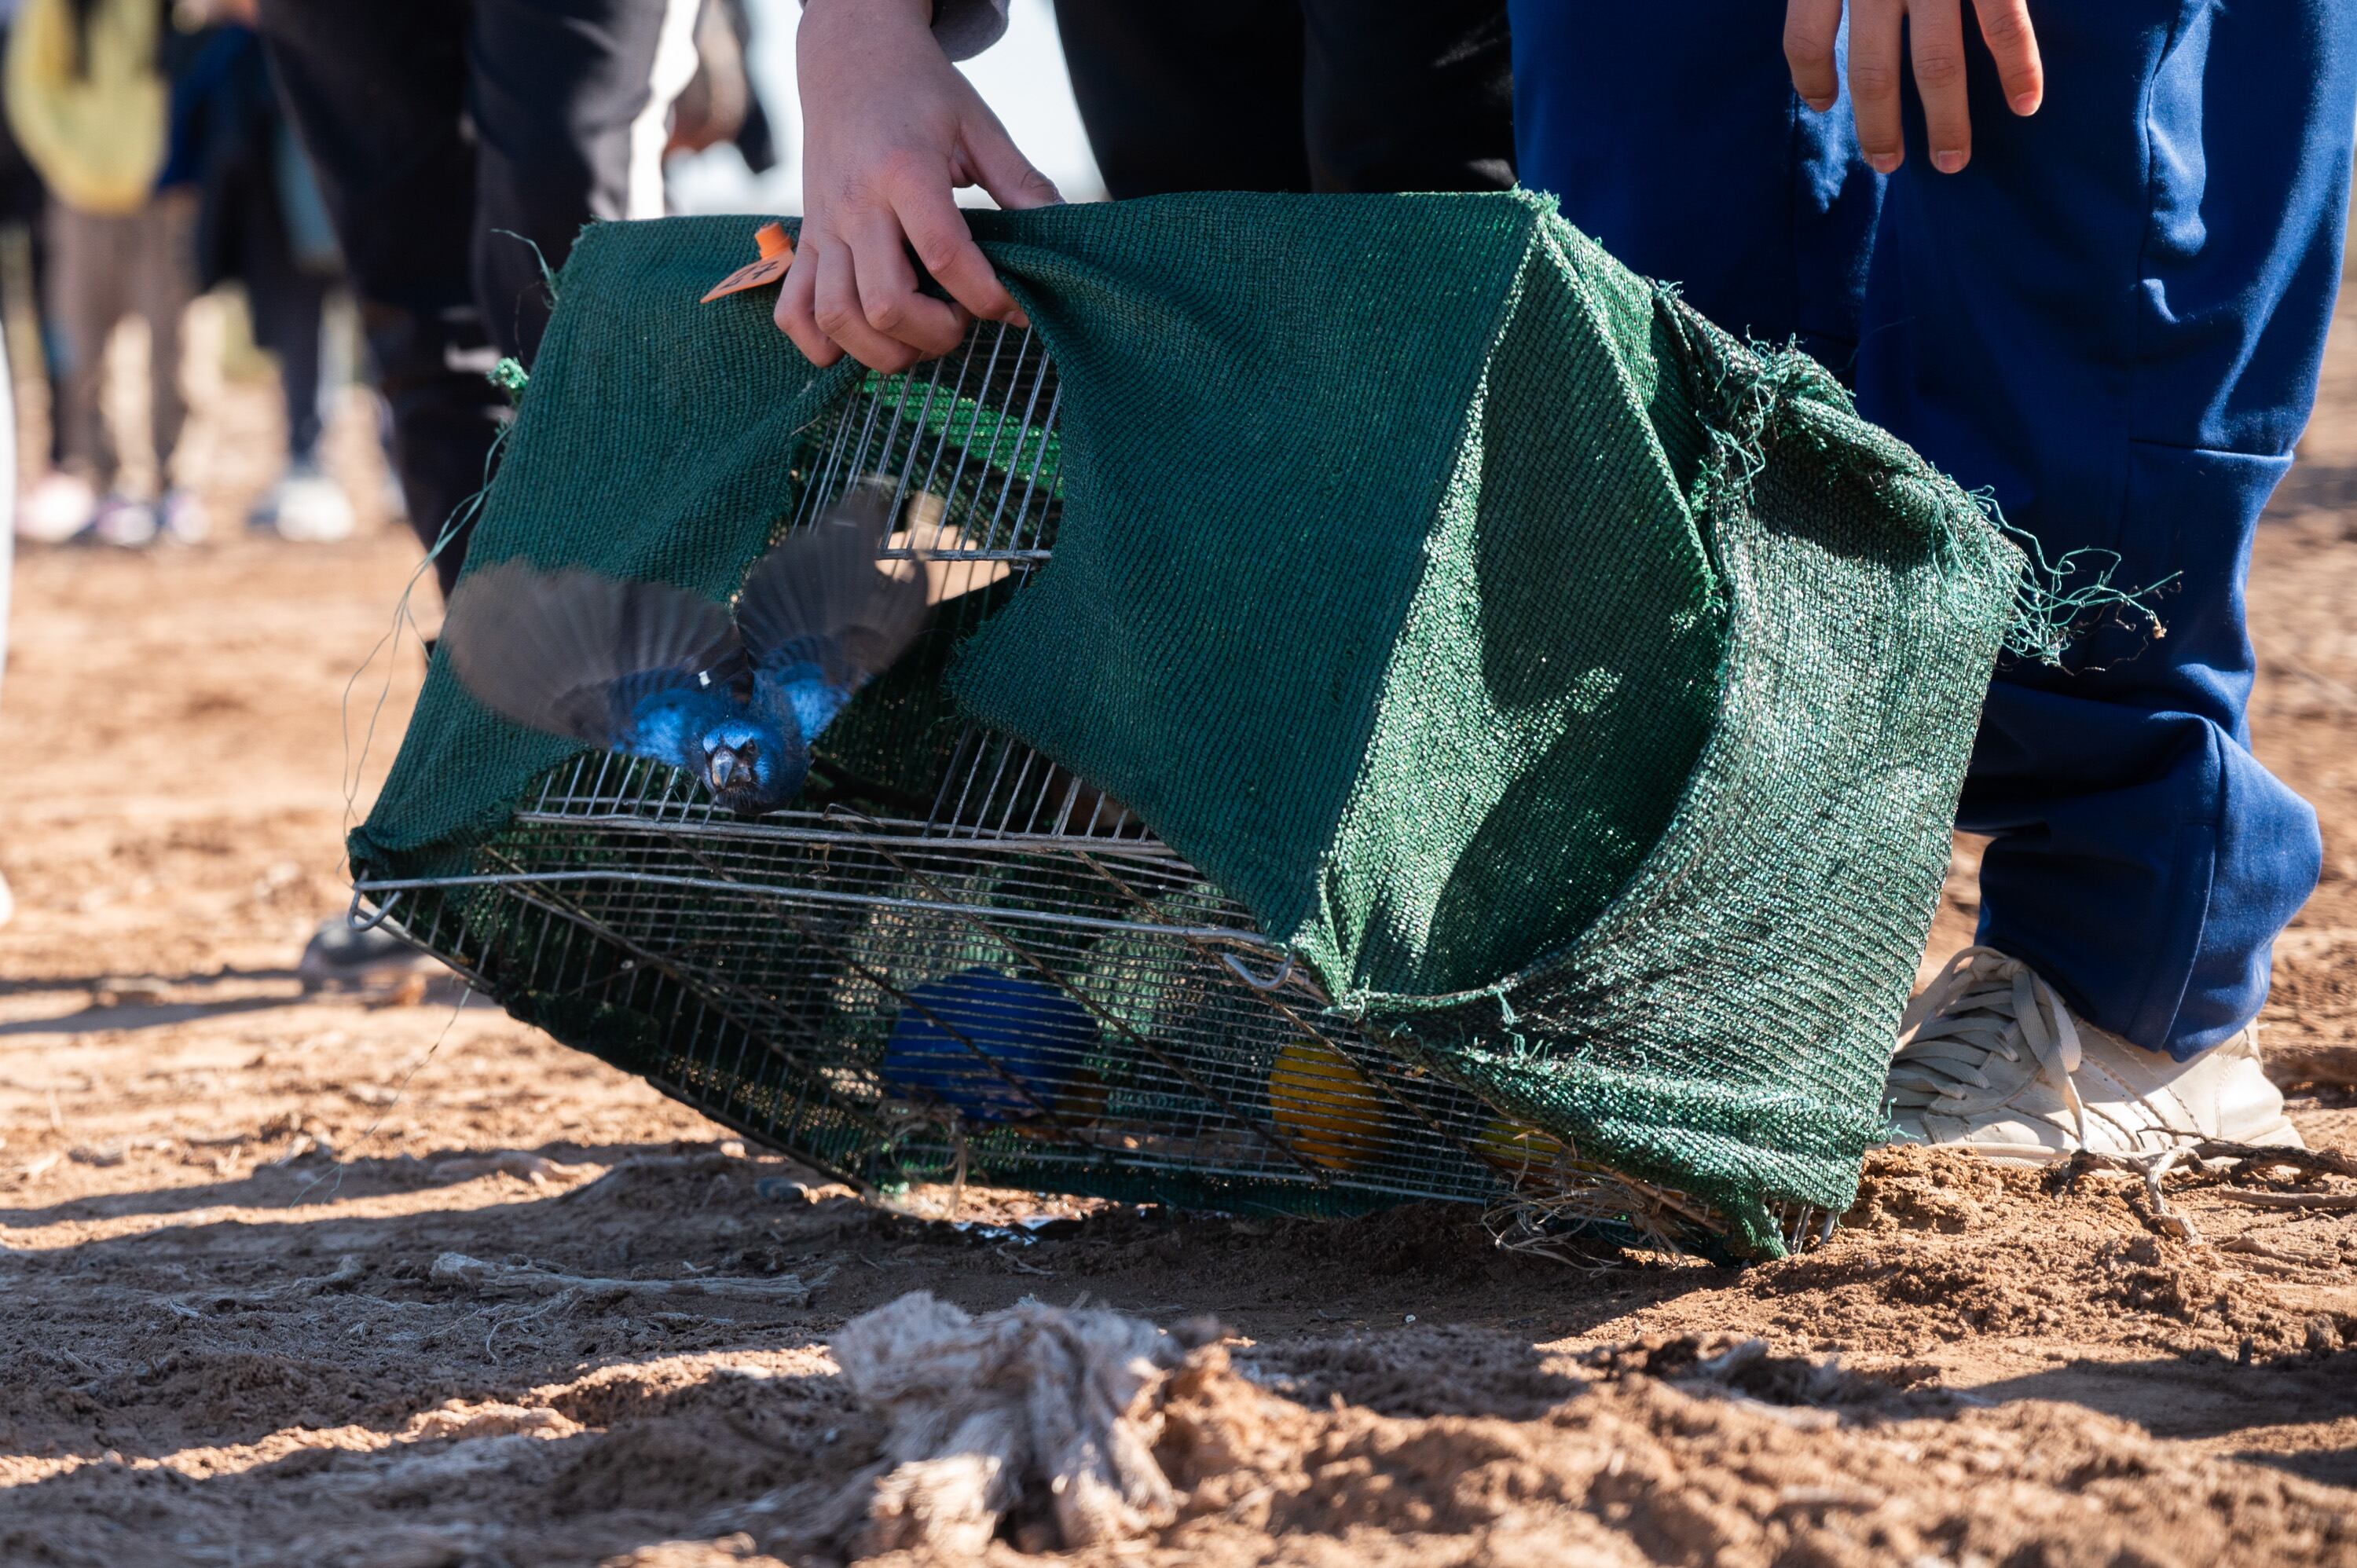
(232, 1331)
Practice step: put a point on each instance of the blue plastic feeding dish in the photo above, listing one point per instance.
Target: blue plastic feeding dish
(957, 1035)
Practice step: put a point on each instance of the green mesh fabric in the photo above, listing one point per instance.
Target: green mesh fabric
(1725, 1025)
(1582, 697)
(1447, 645)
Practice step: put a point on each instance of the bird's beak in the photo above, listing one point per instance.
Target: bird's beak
(722, 766)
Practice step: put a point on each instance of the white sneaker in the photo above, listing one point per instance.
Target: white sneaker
(1995, 1065)
(58, 505)
(125, 523)
(186, 518)
(307, 507)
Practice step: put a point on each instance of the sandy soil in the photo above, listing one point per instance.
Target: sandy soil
(226, 1338)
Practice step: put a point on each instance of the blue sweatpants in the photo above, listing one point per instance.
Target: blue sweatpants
(2111, 319)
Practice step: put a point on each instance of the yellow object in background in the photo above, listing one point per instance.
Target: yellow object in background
(1325, 1107)
(89, 105)
(1519, 1150)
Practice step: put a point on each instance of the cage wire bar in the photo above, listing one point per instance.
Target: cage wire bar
(943, 885)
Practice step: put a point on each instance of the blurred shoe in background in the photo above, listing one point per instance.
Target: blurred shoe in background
(58, 505)
(186, 518)
(305, 506)
(124, 523)
(339, 958)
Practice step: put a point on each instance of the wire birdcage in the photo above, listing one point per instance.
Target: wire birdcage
(953, 959)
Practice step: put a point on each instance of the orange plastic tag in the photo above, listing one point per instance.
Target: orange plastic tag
(777, 255)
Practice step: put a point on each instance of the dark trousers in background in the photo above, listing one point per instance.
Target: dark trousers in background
(289, 311)
(264, 225)
(102, 268)
(1343, 95)
(450, 137)
(2114, 319)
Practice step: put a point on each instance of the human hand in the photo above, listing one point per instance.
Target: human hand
(889, 129)
(711, 109)
(1935, 41)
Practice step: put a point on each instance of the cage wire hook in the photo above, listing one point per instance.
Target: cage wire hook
(383, 911)
(1284, 973)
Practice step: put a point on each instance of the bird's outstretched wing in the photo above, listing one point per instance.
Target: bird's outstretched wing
(820, 617)
(578, 654)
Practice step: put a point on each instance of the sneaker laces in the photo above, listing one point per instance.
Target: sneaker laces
(1985, 1004)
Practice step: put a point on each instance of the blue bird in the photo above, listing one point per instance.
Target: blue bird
(655, 672)
(997, 1047)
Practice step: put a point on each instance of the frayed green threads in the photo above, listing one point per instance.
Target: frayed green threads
(1743, 392)
(1749, 403)
(466, 510)
(1740, 392)
(548, 272)
(509, 375)
(2047, 616)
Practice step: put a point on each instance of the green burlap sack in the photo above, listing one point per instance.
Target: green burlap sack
(1582, 695)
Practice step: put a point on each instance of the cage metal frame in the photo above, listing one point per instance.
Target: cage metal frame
(803, 938)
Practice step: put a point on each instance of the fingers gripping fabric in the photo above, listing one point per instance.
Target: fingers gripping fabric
(1554, 709)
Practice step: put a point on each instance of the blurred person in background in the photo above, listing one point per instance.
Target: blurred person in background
(720, 103)
(7, 549)
(261, 223)
(88, 97)
(24, 205)
(459, 147)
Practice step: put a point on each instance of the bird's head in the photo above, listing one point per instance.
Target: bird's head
(746, 771)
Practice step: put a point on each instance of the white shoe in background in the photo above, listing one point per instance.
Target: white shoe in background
(58, 505)
(307, 507)
(186, 518)
(1998, 1067)
(125, 523)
